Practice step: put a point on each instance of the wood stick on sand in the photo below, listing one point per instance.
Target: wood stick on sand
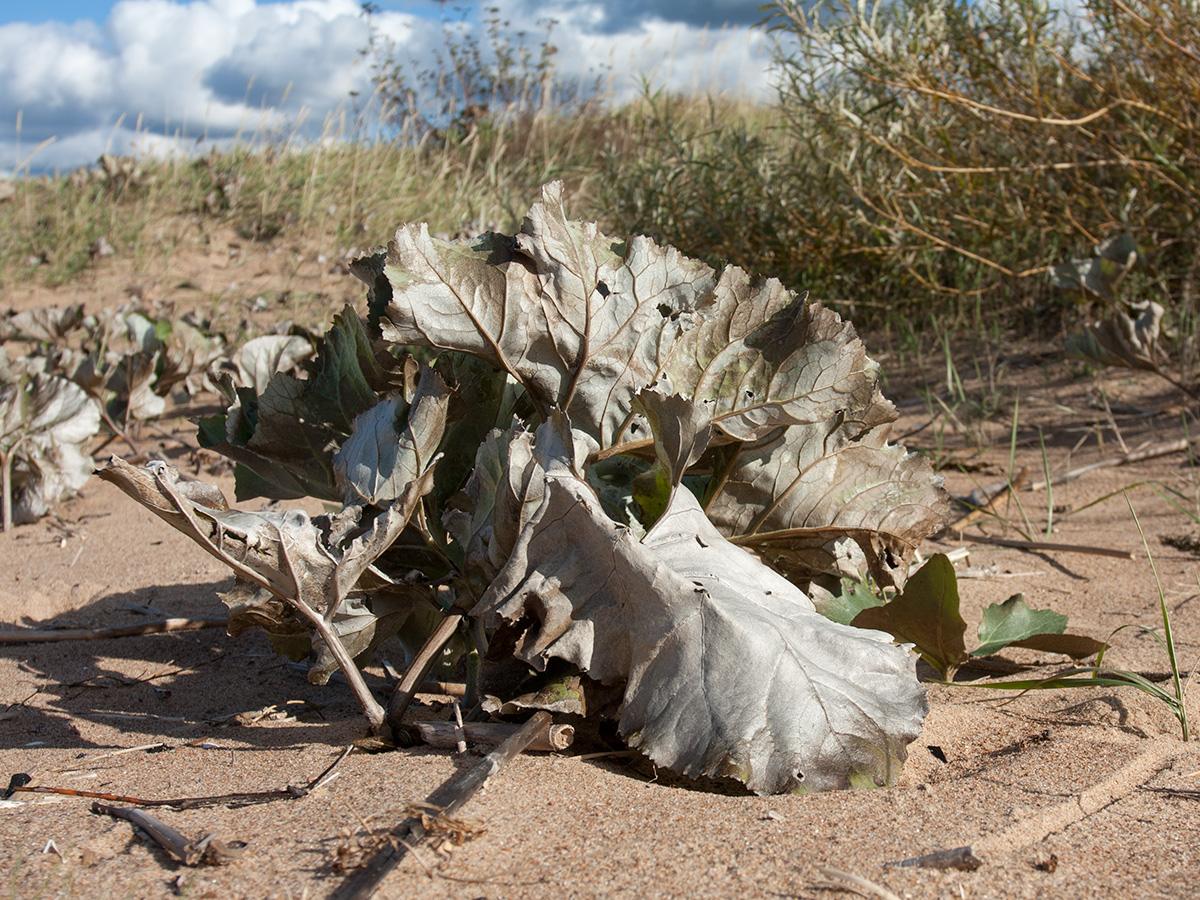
(403, 695)
(1176, 446)
(986, 508)
(210, 848)
(447, 799)
(20, 782)
(42, 636)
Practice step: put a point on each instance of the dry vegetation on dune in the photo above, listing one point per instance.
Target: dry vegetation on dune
(920, 160)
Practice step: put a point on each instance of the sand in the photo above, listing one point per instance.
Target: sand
(1061, 793)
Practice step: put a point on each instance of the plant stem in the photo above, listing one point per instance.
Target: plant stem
(6, 486)
(419, 668)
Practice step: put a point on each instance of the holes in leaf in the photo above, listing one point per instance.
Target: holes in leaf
(602, 289)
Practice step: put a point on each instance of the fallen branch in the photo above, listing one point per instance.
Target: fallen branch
(447, 799)
(550, 739)
(1176, 446)
(441, 688)
(1048, 545)
(35, 636)
(985, 509)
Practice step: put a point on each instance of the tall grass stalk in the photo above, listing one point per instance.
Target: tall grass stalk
(1168, 638)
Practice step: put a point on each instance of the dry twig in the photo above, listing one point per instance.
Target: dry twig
(1048, 545)
(1142, 453)
(208, 849)
(550, 739)
(20, 783)
(33, 636)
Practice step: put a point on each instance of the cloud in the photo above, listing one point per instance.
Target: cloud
(205, 70)
(620, 15)
(674, 45)
(169, 74)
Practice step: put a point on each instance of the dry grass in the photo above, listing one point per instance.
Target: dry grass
(922, 160)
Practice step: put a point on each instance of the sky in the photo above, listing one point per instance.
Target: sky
(85, 77)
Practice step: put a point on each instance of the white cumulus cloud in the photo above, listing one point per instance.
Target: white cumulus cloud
(161, 73)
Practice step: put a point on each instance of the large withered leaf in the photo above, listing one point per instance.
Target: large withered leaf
(763, 357)
(260, 358)
(46, 324)
(284, 556)
(1121, 340)
(797, 494)
(133, 380)
(581, 320)
(487, 516)
(728, 669)
(282, 548)
(188, 349)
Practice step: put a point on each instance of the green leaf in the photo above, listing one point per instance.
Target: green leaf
(925, 614)
(346, 378)
(1011, 621)
(844, 606)
(482, 399)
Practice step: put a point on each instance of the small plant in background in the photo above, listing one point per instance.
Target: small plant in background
(474, 79)
(967, 147)
(46, 428)
(118, 366)
(126, 360)
(1128, 334)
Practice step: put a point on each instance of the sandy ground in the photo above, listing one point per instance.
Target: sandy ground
(1082, 793)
